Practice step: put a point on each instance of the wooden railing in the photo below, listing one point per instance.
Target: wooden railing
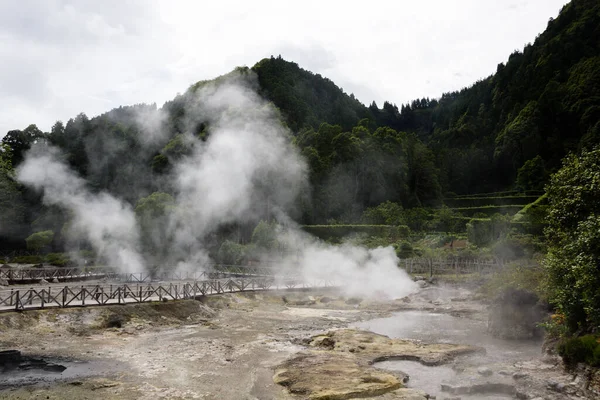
(78, 296)
(213, 271)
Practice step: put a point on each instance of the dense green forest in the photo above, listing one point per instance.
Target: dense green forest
(507, 132)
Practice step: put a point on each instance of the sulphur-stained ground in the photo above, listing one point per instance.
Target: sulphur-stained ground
(224, 347)
(254, 345)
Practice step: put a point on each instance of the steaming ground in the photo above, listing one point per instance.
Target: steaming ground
(230, 346)
(247, 170)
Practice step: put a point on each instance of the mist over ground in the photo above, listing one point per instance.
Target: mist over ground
(241, 167)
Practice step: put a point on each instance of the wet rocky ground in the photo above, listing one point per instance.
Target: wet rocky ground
(279, 345)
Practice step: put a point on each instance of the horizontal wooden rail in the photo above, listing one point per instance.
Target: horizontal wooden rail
(214, 271)
(91, 295)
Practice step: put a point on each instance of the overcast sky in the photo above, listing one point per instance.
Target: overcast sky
(63, 57)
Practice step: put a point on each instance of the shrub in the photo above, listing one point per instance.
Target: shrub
(482, 232)
(39, 240)
(583, 349)
(265, 235)
(387, 213)
(404, 250)
(231, 252)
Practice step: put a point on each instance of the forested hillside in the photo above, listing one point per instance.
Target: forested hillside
(506, 132)
(544, 101)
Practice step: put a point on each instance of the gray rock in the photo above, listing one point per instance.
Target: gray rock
(43, 281)
(422, 284)
(55, 280)
(515, 314)
(3, 282)
(556, 386)
(520, 375)
(484, 371)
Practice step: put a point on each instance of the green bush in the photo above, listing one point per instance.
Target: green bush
(404, 250)
(58, 259)
(28, 260)
(482, 232)
(583, 349)
(39, 240)
(265, 235)
(573, 234)
(231, 253)
(387, 213)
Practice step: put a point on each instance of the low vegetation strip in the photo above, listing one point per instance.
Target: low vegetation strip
(489, 210)
(327, 232)
(489, 201)
(500, 194)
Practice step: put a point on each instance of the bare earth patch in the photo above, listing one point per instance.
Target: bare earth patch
(339, 364)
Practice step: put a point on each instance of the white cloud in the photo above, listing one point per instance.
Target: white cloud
(62, 57)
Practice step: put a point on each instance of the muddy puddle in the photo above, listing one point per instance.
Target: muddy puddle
(33, 370)
(447, 381)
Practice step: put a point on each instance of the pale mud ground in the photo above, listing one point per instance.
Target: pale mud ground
(224, 347)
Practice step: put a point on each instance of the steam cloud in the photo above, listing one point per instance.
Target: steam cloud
(246, 165)
(105, 221)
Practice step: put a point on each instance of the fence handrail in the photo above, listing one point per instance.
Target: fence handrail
(87, 295)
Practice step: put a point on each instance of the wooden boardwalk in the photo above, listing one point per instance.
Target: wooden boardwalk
(214, 271)
(92, 295)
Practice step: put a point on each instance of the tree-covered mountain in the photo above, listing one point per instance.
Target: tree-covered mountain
(505, 132)
(539, 105)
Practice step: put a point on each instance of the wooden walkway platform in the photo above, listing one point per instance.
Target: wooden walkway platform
(215, 271)
(92, 295)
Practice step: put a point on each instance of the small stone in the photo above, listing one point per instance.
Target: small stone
(43, 281)
(556, 386)
(484, 371)
(503, 373)
(55, 280)
(520, 375)
(354, 301)
(422, 284)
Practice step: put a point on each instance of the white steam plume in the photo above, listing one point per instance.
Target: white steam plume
(107, 223)
(245, 170)
(247, 164)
